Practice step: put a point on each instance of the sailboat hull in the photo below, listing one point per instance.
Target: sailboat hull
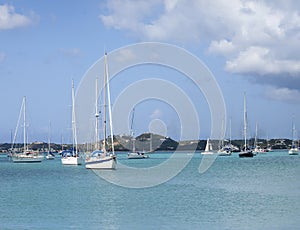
(246, 154)
(107, 162)
(136, 155)
(207, 153)
(293, 151)
(71, 160)
(20, 158)
(224, 153)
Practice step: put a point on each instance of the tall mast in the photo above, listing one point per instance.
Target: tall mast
(74, 120)
(293, 133)
(104, 106)
(245, 121)
(132, 132)
(109, 108)
(24, 124)
(256, 133)
(49, 137)
(230, 130)
(97, 118)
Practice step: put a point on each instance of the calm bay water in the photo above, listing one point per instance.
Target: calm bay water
(256, 193)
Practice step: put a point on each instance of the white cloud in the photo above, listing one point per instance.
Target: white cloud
(257, 38)
(128, 14)
(9, 19)
(260, 61)
(223, 47)
(283, 94)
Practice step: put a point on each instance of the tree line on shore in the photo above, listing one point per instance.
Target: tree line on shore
(151, 142)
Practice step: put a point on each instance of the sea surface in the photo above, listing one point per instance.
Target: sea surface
(250, 193)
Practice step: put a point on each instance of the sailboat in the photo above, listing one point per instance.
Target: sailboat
(224, 150)
(26, 155)
(257, 148)
(135, 154)
(208, 148)
(103, 159)
(49, 155)
(72, 157)
(293, 150)
(246, 152)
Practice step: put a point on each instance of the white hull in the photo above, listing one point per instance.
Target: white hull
(70, 160)
(136, 155)
(293, 151)
(100, 162)
(207, 153)
(224, 153)
(50, 157)
(259, 151)
(21, 158)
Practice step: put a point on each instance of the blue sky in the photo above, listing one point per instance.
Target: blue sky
(250, 46)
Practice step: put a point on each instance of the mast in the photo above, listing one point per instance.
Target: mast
(104, 106)
(245, 121)
(49, 137)
(132, 132)
(230, 130)
(24, 124)
(293, 133)
(256, 131)
(109, 107)
(97, 118)
(73, 120)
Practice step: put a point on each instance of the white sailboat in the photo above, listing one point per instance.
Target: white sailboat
(246, 152)
(208, 148)
(103, 159)
(134, 154)
(26, 155)
(224, 150)
(294, 149)
(257, 148)
(49, 155)
(72, 157)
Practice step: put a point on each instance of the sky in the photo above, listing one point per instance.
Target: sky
(249, 46)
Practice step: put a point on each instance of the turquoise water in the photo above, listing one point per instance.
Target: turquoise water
(255, 193)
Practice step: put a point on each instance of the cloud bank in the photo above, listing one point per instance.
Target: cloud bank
(260, 39)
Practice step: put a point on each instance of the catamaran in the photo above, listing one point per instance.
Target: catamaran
(26, 155)
(102, 158)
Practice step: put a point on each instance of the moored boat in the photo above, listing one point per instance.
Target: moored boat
(103, 159)
(26, 155)
(208, 148)
(72, 157)
(246, 151)
(294, 150)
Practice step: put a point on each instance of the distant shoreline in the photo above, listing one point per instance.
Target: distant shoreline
(166, 145)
